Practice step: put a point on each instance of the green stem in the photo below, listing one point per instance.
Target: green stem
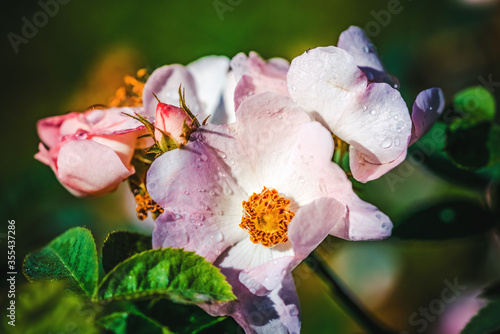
(354, 307)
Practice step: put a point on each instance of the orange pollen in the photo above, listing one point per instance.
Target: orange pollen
(130, 95)
(266, 217)
(145, 204)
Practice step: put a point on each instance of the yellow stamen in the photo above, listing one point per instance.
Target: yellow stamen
(145, 204)
(266, 217)
(131, 94)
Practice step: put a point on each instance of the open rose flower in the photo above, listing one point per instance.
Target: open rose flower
(202, 80)
(255, 197)
(347, 89)
(90, 152)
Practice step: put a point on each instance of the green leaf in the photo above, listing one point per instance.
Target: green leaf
(72, 257)
(124, 322)
(171, 273)
(49, 307)
(486, 321)
(445, 221)
(475, 103)
(121, 245)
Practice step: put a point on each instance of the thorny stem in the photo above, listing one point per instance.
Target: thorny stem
(353, 306)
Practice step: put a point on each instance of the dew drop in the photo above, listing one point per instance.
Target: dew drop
(386, 143)
(218, 236)
(396, 117)
(301, 179)
(204, 157)
(364, 108)
(385, 226)
(397, 141)
(373, 112)
(223, 155)
(378, 216)
(365, 49)
(294, 311)
(231, 162)
(252, 290)
(220, 212)
(212, 193)
(430, 107)
(227, 190)
(81, 134)
(395, 86)
(186, 192)
(266, 279)
(311, 158)
(294, 88)
(177, 216)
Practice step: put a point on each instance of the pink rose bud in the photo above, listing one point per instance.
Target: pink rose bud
(170, 119)
(90, 152)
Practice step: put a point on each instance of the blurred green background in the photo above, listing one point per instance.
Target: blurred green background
(79, 57)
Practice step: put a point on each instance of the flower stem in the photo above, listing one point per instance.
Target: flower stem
(316, 262)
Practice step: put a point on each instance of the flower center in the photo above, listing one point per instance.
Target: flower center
(266, 217)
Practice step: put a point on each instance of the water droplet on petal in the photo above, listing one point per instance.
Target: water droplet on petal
(294, 311)
(204, 157)
(385, 226)
(301, 179)
(378, 216)
(177, 216)
(294, 88)
(186, 192)
(223, 155)
(396, 116)
(365, 49)
(430, 107)
(397, 141)
(364, 108)
(373, 112)
(218, 237)
(81, 134)
(227, 190)
(386, 143)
